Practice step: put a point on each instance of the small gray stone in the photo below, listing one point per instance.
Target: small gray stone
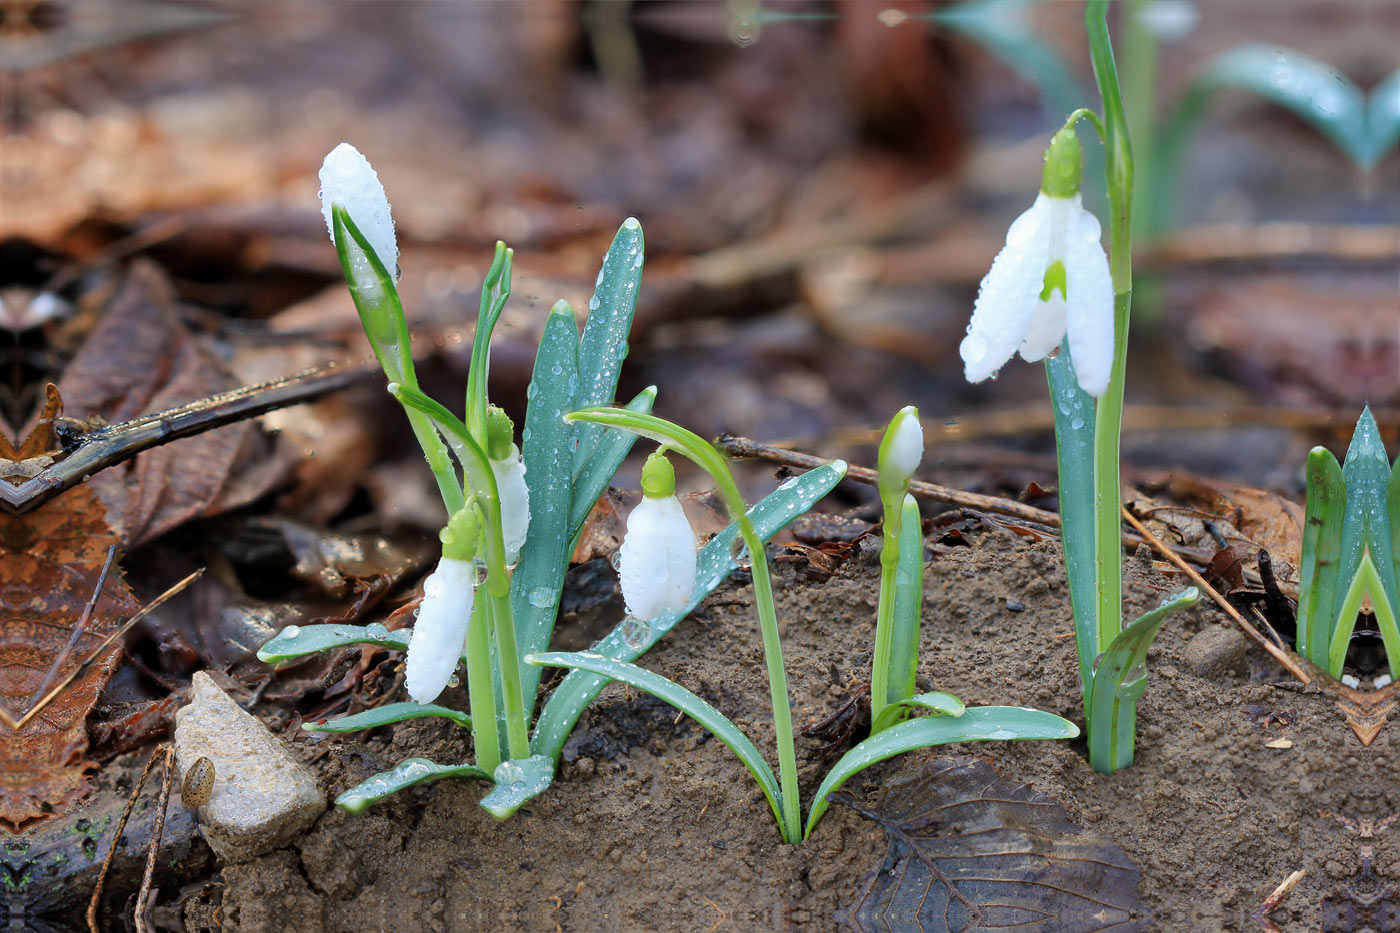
(263, 797)
(1216, 651)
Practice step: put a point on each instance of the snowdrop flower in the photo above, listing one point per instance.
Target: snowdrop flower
(902, 449)
(348, 180)
(509, 469)
(1051, 277)
(440, 631)
(657, 560)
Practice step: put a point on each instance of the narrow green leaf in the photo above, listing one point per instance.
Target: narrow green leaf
(716, 561)
(908, 604)
(518, 780)
(1392, 508)
(610, 312)
(1120, 679)
(1366, 526)
(1383, 118)
(1074, 411)
(936, 702)
(376, 298)
(600, 467)
(978, 724)
(1322, 554)
(296, 641)
(386, 715)
(683, 700)
(407, 773)
(1364, 582)
(546, 445)
(495, 290)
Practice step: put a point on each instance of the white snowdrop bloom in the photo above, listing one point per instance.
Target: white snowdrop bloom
(347, 179)
(903, 447)
(657, 561)
(441, 628)
(515, 501)
(1051, 278)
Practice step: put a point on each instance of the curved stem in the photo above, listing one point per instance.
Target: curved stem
(884, 614)
(705, 456)
(482, 483)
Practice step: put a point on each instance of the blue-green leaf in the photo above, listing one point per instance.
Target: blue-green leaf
(1322, 554)
(604, 344)
(978, 724)
(297, 641)
(1364, 582)
(1383, 117)
(407, 773)
(1120, 679)
(386, 715)
(683, 700)
(716, 561)
(1366, 525)
(1075, 415)
(547, 442)
(518, 780)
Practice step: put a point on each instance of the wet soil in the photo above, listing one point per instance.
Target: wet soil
(653, 825)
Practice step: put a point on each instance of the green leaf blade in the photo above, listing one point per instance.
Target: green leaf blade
(1383, 118)
(1321, 557)
(518, 780)
(610, 313)
(406, 774)
(296, 641)
(683, 700)
(978, 724)
(936, 703)
(547, 448)
(386, 715)
(1366, 526)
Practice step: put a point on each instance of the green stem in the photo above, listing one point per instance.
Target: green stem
(495, 289)
(705, 456)
(480, 692)
(884, 614)
(1109, 419)
(482, 483)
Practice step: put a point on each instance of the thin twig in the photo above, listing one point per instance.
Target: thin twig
(1278, 654)
(94, 902)
(78, 630)
(97, 653)
(167, 779)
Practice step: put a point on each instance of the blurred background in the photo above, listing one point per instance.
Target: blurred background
(822, 186)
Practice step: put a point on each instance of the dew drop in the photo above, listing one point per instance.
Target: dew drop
(635, 633)
(542, 597)
(454, 681)
(291, 631)
(1077, 424)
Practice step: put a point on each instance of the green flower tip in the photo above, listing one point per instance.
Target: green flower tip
(462, 533)
(658, 476)
(1064, 162)
(1055, 279)
(500, 433)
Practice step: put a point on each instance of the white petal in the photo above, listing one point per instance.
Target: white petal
(1089, 304)
(657, 560)
(1047, 329)
(348, 179)
(907, 446)
(441, 628)
(1007, 301)
(515, 501)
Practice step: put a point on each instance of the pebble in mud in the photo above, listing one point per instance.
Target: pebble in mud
(261, 797)
(1216, 651)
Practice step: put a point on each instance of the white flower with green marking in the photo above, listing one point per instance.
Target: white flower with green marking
(440, 631)
(1050, 279)
(657, 561)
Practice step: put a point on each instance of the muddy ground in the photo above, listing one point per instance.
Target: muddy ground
(654, 826)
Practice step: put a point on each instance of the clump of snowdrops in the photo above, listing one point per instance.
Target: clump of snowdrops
(514, 511)
(665, 537)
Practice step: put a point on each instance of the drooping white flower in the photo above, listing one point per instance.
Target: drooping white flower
(658, 559)
(1051, 278)
(440, 631)
(347, 179)
(508, 467)
(515, 501)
